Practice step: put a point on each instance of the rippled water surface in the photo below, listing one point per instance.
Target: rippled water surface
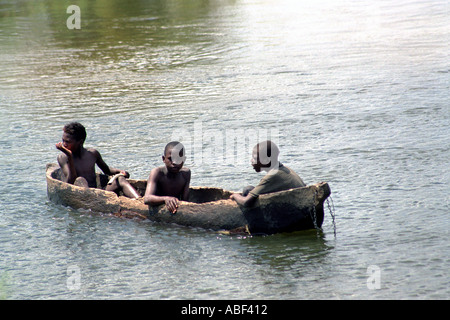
(355, 93)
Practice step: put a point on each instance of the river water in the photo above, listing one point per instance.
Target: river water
(355, 93)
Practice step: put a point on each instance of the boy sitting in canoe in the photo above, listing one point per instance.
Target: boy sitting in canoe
(78, 163)
(278, 177)
(169, 183)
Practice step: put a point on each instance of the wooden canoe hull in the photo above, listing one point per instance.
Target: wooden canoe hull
(208, 208)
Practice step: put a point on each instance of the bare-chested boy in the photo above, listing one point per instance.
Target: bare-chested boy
(169, 183)
(78, 163)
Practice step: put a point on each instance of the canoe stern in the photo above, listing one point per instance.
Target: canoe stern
(287, 211)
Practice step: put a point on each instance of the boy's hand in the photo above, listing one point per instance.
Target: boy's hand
(125, 173)
(171, 204)
(60, 147)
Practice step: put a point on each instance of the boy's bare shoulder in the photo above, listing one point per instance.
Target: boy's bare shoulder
(93, 151)
(185, 171)
(157, 172)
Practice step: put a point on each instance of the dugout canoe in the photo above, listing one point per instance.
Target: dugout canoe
(207, 208)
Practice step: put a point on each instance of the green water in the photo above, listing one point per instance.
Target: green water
(355, 93)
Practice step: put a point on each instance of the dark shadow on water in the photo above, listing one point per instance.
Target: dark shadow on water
(287, 251)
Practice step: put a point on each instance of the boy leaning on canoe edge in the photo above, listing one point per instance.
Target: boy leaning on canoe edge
(169, 183)
(278, 178)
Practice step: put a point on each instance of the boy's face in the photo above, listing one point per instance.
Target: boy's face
(174, 159)
(69, 142)
(260, 161)
(255, 160)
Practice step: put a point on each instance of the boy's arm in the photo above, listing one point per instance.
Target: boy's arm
(150, 190)
(66, 163)
(150, 196)
(250, 199)
(104, 167)
(185, 194)
(246, 201)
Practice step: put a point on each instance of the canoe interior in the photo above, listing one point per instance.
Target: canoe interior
(196, 194)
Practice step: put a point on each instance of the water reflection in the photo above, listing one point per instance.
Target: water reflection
(114, 24)
(289, 251)
(356, 88)
(125, 58)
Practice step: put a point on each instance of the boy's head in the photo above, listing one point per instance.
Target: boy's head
(174, 156)
(265, 156)
(74, 135)
(76, 130)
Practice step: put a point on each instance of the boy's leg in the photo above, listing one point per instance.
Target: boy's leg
(81, 182)
(121, 183)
